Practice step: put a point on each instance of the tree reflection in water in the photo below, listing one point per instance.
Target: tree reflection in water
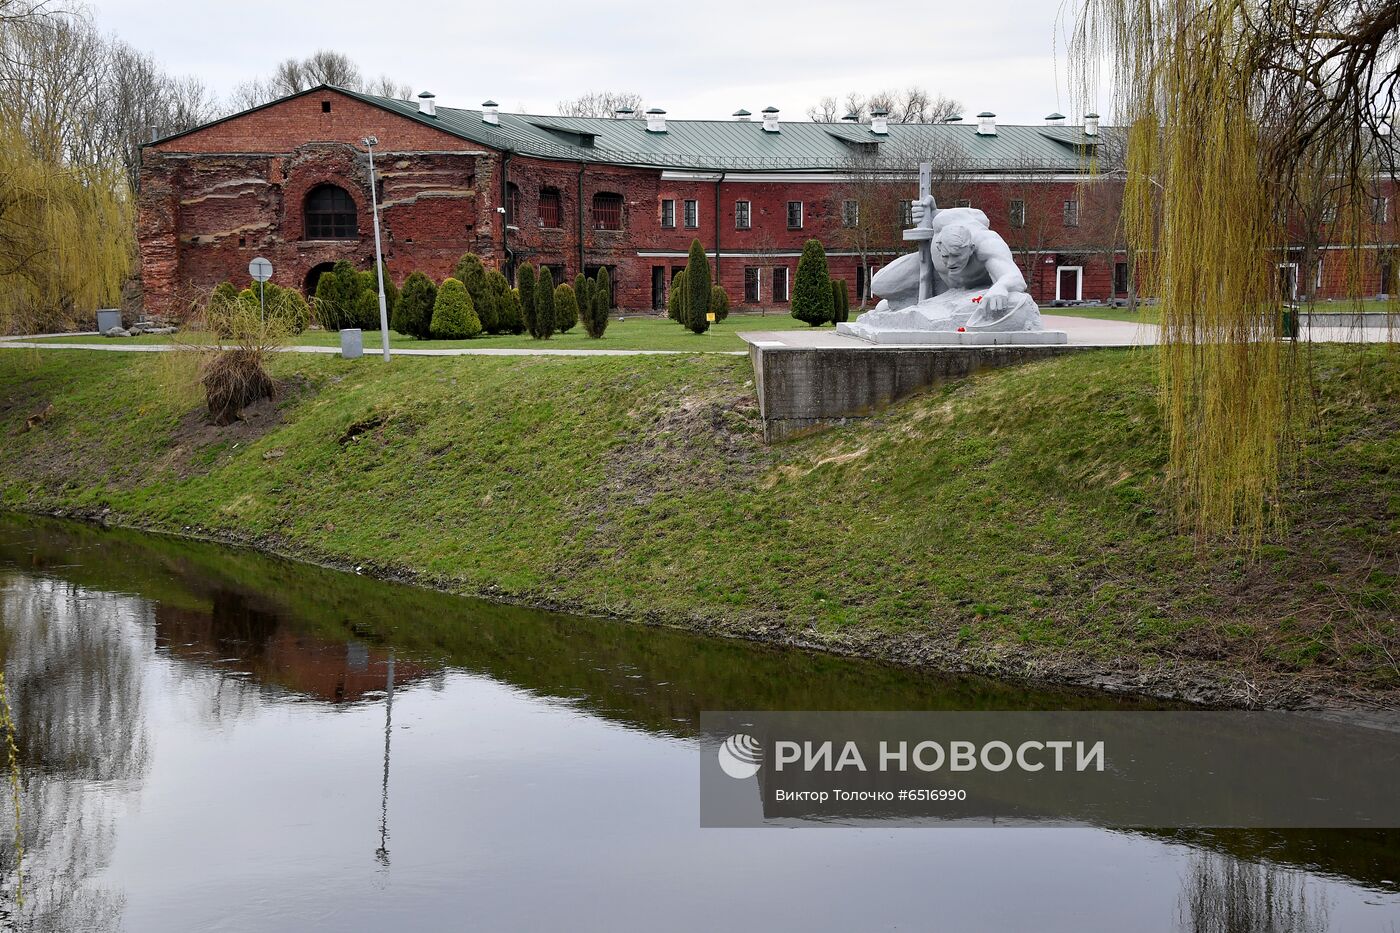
(1226, 895)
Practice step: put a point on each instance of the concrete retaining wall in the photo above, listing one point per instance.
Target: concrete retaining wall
(801, 389)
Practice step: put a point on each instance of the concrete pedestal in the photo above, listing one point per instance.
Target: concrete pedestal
(806, 382)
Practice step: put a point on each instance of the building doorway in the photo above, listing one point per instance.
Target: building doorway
(314, 277)
(658, 288)
(1069, 283)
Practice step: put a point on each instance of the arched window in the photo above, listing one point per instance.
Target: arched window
(512, 202)
(330, 214)
(549, 207)
(607, 211)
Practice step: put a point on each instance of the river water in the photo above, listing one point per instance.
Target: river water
(214, 740)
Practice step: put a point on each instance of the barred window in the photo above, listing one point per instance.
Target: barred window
(906, 213)
(850, 213)
(692, 214)
(964, 202)
(1380, 210)
(668, 213)
(607, 211)
(550, 210)
(1071, 213)
(330, 214)
(742, 211)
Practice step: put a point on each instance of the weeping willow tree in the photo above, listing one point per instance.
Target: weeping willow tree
(66, 237)
(1232, 109)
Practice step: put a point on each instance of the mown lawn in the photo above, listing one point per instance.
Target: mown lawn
(632, 333)
(1013, 523)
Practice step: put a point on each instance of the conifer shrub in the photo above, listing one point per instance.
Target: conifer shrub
(413, 312)
(697, 289)
(505, 314)
(601, 302)
(454, 318)
(516, 312)
(525, 280)
(565, 308)
(544, 319)
(719, 302)
(471, 272)
(675, 302)
(812, 299)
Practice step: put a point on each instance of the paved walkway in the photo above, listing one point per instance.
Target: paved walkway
(1083, 332)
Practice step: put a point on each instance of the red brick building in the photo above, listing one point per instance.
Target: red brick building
(290, 181)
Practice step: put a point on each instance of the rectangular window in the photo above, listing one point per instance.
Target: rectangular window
(906, 213)
(964, 202)
(668, 213)
(780, 284)
(751, 290)
(742, 211)
(1380, 210)
(1071, 213)
(1018, 213)
(794, 215)
(1329, 214)
(850, 213)
(1120, 278)
(692, 214)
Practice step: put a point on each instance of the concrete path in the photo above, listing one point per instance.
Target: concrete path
(1083, 332)
(121, 345)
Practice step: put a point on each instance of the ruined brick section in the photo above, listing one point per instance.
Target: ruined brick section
(213, 199)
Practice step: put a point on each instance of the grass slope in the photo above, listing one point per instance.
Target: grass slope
(1011, 524)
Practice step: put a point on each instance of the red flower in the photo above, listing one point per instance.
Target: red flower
(977, 299)
(962, 329)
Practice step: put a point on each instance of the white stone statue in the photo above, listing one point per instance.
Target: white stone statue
(961, 287)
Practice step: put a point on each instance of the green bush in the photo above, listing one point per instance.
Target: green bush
(472, 273)
(565, 308)
(286, 306)
(516, 312)
(525, 280)
(697, 289)
(842, 300)
(583, 292)
(719, 302)
(601, 302)
(675, 302)
(505, 311)
(811, 295)
(544, 306)
(413, 312)
(454, 318)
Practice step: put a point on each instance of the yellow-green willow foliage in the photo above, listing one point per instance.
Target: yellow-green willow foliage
(66, 237)
(1206, 90)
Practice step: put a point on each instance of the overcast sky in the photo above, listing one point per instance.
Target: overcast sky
(697, 60)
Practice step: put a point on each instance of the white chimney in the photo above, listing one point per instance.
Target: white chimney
(742, 115)
(491, 113)
(1055, 119)
(1091, 124)
(880, 121)
(770, 119)
(426, 106)
(656, 120)
(986, 123)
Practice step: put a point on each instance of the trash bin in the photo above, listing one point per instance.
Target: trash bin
(352, 343)
(107, 318)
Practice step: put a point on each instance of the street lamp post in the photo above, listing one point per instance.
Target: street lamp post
(370, 142)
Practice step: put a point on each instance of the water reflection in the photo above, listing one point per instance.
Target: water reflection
(209, 737)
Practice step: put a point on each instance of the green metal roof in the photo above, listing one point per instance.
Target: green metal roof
(740, 145)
